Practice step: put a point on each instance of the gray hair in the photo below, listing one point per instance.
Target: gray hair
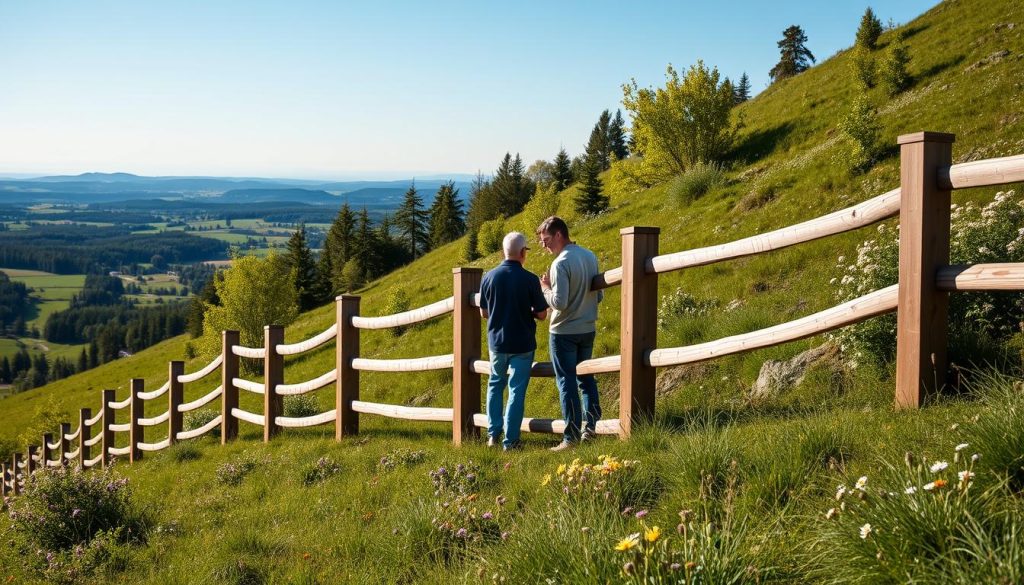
(513, 244)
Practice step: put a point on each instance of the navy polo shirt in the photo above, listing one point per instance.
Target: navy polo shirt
(511, 295)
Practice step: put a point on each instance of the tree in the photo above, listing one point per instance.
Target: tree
(480, 202)
(94, 354)
(300, 260)
(617, 137)
(541, 172)
(683, 123)
(446, 216)
(6, 374)
(542, 205)
(864, 67)
(353, 275)
(469, 253)
(83, 361)
(794, 56)
(590, 200)
(338, 244)
(412, 223)
(869, 31)
(742, 91)
(599, 146)
(255, 292)
(563, 171)
(324, 278)
(365, 249)
(894, 69)
(862, 130)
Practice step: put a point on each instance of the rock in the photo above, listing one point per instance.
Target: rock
(778, 376)
(990, 60)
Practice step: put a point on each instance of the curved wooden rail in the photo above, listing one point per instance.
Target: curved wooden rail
(53, 445)
(983, 173)
(311, 343)
(95, 419)
(254, 387)
(307, 421)
(70, 455)
(214, 423)
(552, 425)
(154, 446)
(537, 370)
(403, 412)
(160, 418)
(55, 463)
(870, 305)
(434, 362)
(93, 440)
(249, 417)
(155, 393)
(119, 450)
(119, 405)
(407, 317)
(201, 401)
(204, 371)
(307, 386)
(873, 210)
(121, 428)
(1004, 276)
(94, 461)
(256, 353)
(74, 435)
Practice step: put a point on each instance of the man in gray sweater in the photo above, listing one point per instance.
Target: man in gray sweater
(572, 329)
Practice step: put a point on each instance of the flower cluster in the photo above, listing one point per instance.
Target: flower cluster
(401, 457)
(460, 517)
(458, 481)
(591, 479)
(681, 304)
(324, 468)
(233, 472)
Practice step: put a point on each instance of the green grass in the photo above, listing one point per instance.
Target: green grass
(783, 446)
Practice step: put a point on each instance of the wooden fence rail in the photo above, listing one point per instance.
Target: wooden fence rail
(920, 300)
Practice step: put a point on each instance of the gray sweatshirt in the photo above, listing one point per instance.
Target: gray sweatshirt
(574, 306)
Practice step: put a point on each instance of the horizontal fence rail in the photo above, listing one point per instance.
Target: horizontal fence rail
(922, 203)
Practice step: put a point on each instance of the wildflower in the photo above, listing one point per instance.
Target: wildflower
(831, 514)
(865, 531)
(487, 516)
(938, 466)
(975, 457)
(546, 480)
(75, 512)
(561, 469)
(628, 568)
(685, 515)
(652, 534)
(641, 514)
(461, 533)
(910, 490)
(675, 566)
(961, 447)
(861, 483)
(629, 542)
(965, 477)
(690, 565)
(840, 492)
(306, 556)
(500, 500)
(504, 535)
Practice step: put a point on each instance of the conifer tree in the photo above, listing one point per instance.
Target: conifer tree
(94, 354)
(446, 216)
(469, 253)
(563, 170)
(480, 202)
(794, 56)
(617, 137)
(365, 249)
(590, 200)
(6, 375)
(598, 146)
(869, 31)
(299, 259)
(339, 242)
(412, 223)
(510, 188)
(392, 253)
(742, 91)
(325, 288)
(83, 361)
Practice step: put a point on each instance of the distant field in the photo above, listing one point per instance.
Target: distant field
(53, 291)
(9, 347)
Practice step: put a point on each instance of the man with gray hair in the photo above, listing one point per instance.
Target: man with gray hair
(511, 301)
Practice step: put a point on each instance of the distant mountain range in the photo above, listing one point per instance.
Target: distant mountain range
(113, 187)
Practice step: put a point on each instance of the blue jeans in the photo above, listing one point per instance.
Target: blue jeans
(512, 370)
(568, 350)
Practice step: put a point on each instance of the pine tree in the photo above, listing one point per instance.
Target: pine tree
(869, 31)
(590, 200)
(300, 260)
(742, 92)
(794, 56)
(83, 361)
(617, 137)
(412, 223)
(510, 188)
(563, 170)
(339, 242)
(365, 249)
(6, 375)
(325, 288)
(446, 216)
(480, 202)
(599, 146)
(94, 354)
(469, 253)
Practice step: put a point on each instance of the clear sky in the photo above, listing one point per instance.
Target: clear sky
(368, 89)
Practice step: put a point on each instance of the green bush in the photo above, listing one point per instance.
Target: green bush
(680, 304)
(397, 302)
(895, 77)
(195, 419)
(862, 131)
(863, 66)
(696, 181)
(490, 236)
(301, 405)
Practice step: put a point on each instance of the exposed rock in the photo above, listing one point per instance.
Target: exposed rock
(779, 376)
(990, 60)
(672, 377)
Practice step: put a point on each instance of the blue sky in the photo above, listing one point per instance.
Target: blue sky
(344, 89)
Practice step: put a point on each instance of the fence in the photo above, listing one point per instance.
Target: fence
(922, 202)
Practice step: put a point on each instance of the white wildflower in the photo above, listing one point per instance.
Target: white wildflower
(965, 475)
(975, 457)
(840, 492)
(910, 490)
(831, 513)
(865, 530)
(961, 447)
(938, 466)
(928, 486)
(861, 483)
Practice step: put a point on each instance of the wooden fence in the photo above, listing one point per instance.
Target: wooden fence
(927, 176)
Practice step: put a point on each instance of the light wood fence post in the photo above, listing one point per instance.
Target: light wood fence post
(638, 327)
(347, 384)
(108, 419)
(15, 471)
(467, 349)
(273, 374)
(136, 432)
(84, 435)
(922, 315)
(229, 392)
(175, 394)
(65, 445)
(30, 462)
(3, 480)
(47, 451)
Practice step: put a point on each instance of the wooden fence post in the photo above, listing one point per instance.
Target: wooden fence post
(65, 444)
(3, 480)
(273, 374)
(47, 451)
(175, 394)
(638, 327)
(108, 419)
(84, 435)
(346, 349)
(30, 462)
(466, 333)
(136, 433)
(16, 471)
(922, 315)
(229, 392)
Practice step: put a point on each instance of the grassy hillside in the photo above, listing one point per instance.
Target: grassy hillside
(368, 524)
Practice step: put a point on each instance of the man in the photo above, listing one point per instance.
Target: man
(566, 288)
(510, 300)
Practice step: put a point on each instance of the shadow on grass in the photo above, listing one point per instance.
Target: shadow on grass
(759, 143)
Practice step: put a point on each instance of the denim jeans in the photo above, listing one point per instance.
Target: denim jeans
(567, 350)
(511, 370)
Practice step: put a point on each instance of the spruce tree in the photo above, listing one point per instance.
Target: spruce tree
(598, 146)
(300, 260)
(365, 249)
(617, 137)
(869, 31)
(510, 188)
(339, 242)
(469, 253)
(563, 170)
(446, 216)
(83, 361)
(742, 91)
(590, 200)
(325, 288)
(480, 202)
(794, 56)
(6, 375)
(411, 220)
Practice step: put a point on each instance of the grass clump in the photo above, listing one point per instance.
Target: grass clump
(234, 471)
(324, 468)
(401, 457)
(696, 181)
(301, 405)
(195, 419)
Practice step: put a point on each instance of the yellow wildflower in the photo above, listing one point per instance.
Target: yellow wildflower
(561, 469)
(629, 542)
(546, 480)
(652, 534)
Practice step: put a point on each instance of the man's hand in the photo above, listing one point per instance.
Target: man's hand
(545, 281)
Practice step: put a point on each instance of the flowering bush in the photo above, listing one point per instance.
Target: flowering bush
(992, 233)
(401, 457)
(324, 468)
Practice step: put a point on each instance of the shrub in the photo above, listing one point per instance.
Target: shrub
(301, 405)
(542, 205)
(894, 69)
(401, 457)
(195, 419)
(490, 235)
(863, 66)
(324, 468)
(696, 181)
(397, 302)
(862, 130)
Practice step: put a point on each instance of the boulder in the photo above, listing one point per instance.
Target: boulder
(778, 376)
